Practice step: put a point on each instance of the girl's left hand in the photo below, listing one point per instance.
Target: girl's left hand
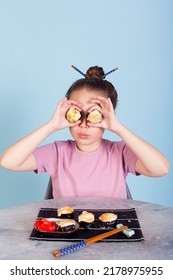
(104, 105)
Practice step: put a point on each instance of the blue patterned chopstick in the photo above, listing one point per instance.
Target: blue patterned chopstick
(89, 241)
(74, 67)
(111, 71)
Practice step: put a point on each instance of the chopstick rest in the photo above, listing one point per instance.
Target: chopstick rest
(88, 241)
(128, 232)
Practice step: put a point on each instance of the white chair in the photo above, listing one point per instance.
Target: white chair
(49, 195)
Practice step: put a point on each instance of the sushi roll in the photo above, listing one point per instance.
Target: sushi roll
(65, 212)
(73, 115)
(94, 117)
(107, 220)
(66, 225)
(86, 219)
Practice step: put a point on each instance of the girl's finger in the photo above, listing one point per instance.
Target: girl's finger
(74, 104)
(95, 107)
(95, 125)
(70, 102)
(100, 100)
(75, 123)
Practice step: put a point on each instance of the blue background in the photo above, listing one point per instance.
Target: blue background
(39, 40)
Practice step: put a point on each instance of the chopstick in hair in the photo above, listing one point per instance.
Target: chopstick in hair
(74, 67)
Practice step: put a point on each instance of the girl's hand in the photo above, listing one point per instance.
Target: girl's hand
(58, 119)
(104, 105)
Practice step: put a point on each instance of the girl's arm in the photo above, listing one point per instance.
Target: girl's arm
(151, 162)
(19, 157)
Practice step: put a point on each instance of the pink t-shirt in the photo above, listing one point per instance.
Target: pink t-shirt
(75, 173)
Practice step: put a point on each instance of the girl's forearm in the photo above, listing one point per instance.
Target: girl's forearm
(151, 161)
(15, 155)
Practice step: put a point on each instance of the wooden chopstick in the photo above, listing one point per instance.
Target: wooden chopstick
(104, 235)
(88, 241)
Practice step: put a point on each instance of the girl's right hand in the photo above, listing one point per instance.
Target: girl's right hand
(58, 119)
(20, 157)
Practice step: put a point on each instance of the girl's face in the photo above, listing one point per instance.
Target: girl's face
(88, 139)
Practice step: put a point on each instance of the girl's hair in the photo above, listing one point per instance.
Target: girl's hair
(94, 80)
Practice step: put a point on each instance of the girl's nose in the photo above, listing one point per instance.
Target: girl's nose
(83, 122)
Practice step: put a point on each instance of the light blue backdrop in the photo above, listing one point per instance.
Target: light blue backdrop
(40, 39)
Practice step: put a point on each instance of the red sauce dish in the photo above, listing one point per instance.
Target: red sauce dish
(45, 225)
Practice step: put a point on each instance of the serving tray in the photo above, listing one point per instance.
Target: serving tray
(127, 217)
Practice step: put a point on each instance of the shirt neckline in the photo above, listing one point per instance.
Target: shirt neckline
(88, 153)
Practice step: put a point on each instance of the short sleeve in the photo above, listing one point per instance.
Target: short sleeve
(129, 160)
(46, 159)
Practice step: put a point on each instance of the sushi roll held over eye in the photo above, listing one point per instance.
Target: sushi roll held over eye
(66, 225)
(73, 115)
(65, 212)
(86, 219)
(107, 220)
(94, 117)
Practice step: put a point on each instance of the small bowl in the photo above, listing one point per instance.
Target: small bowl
(76, 227)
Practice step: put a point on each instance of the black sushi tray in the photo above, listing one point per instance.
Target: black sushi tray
(127, 217)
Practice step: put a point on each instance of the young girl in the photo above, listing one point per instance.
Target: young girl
(89, 165)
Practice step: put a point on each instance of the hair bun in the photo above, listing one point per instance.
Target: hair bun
(95, 72)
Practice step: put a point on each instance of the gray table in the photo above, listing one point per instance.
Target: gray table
(156, 221)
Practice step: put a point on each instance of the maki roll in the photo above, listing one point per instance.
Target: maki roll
(108, 220)
(65, 212)
(73, 115)
(66, 225)
(94, 117)
(86, 219)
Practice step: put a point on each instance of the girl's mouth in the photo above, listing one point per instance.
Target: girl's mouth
(83, 135)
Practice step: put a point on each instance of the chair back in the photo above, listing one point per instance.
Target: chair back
(49, 194)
